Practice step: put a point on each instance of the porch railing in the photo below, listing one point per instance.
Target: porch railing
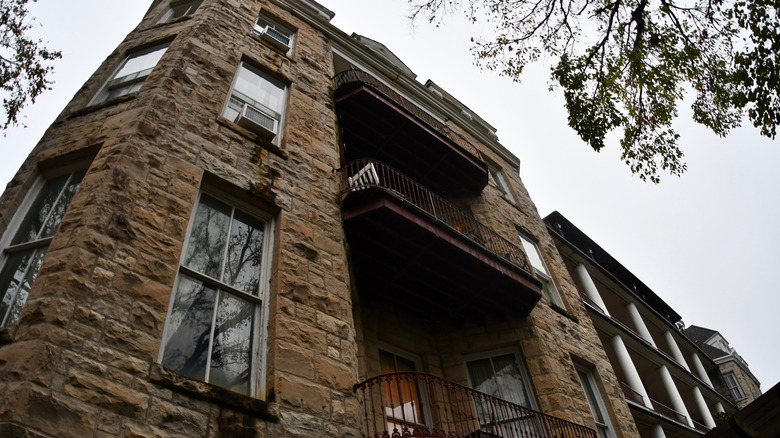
(411, 404)
(700, 427)
(353, 75)
(362, 174)
(632, 395)
(668, 412)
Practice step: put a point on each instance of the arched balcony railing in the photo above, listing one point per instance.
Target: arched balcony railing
(411, 404)
(359, 76)
(363, 174)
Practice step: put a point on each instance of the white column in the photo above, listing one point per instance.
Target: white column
(706, 415)
(639, 323)
(700, 369)
(674, 395)
(590, 287)
(719, 408)
(676, 353)
(629, 370)
(658, 431)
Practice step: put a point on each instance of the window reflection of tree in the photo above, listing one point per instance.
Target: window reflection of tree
(38, 226)
(225, 245)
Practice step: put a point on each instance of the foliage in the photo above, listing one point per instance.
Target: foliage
(23, 73)
(721, 417)
(627, 64)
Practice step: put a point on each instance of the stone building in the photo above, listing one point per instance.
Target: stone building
(736, 379)
(246, 216)
(672, 386)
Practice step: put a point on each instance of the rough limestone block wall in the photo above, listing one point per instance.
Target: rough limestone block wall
(749, 388)
(82, 359)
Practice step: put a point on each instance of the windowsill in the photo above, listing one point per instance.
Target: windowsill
(101, 105)
(265, 144)
(563, 312)
(214, 394)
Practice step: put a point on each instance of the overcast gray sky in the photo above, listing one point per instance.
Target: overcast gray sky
(707, 243)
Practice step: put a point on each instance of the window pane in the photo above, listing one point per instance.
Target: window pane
(24, 288)
(39, 211)
(260, 88)
(58, 212)
(509, 380)
(11, 277)
(481, 375)
(532, 252)
(500, 377)
(138, 62)
(188, 328)
(208, 237)
(232, 351)
(245, 254)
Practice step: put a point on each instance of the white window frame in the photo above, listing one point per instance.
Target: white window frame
(180, 9)
(497, 177)
(131, 82)
(733, 386)
(7, 249)
(276, 114)
(259, 352)
(520, 364)
(542, 272)
(264, 20)
(596, 402)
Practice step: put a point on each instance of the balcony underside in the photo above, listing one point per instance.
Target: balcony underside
(404, 257)
(374, 126)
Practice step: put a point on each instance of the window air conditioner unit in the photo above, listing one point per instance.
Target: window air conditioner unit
(258, 122)
(276, 38)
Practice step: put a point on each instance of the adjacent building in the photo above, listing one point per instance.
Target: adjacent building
(737, 380)
(249, 223)
(673, 386)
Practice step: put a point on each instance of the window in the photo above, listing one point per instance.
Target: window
(596, 402)
(180, 9)
(131, 74)
(256, 101)
(500, 183)
(501, 375)
(274, 33)
(215, 326)
(733, 385)
(24, 253)
(404, 402)
(540, 269)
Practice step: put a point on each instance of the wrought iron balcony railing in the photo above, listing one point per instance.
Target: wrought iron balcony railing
(352, 75)
(411, 404)
(362, 174)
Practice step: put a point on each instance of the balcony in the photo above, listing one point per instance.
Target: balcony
(658, 407)
(412, 248)
(411, 404)
(668, 412)
(378, 123)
